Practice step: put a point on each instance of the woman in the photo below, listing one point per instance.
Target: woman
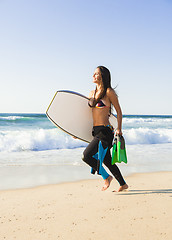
(100, 100)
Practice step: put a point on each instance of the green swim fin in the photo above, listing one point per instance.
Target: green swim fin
(119, 152)
(114, 152)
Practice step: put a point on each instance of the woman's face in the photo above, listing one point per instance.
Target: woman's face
(97, 77)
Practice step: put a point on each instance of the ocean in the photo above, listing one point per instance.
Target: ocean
(34, 152)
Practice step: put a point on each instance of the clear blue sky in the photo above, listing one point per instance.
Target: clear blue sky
(47, 45)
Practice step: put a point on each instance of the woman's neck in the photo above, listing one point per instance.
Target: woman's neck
(98, 91)
(98, 88)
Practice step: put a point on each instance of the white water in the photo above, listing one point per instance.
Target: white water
(50, 139)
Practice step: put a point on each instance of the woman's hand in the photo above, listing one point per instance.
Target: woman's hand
(118, 132)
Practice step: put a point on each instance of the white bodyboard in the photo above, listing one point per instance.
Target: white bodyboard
(70, 112)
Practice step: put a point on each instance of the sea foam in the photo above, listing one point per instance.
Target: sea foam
(50, 139)
(148, 136)
(37, 140)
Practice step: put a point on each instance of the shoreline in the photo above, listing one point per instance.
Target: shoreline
(75, 209)
(30, 169)
(96, 179)
(28, 177)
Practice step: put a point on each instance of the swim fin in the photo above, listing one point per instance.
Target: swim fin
(119, 152)
(99, 156)
(114, 152)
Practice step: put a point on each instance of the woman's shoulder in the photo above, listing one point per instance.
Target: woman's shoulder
(110, 92)
(91, 94)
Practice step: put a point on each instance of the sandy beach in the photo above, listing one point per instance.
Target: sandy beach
(80, 210)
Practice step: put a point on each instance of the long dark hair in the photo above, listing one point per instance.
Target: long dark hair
(106, 81)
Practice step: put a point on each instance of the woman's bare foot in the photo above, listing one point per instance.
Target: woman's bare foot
(123, 187)
(107, 183)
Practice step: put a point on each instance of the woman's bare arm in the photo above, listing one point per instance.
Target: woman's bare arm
(114, 100)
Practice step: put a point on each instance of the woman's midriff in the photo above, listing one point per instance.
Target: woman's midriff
(100, 116)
